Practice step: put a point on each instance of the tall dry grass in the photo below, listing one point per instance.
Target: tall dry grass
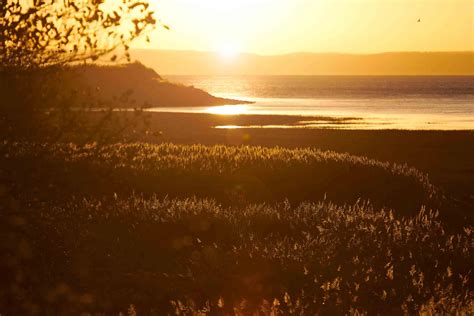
(188, 255)
(229, 174)
(223, 230)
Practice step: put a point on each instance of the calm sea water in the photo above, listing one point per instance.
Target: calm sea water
(444, 103)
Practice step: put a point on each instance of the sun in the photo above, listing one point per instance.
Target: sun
(228, 51)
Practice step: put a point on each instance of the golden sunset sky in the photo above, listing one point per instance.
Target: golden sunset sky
(283, 26)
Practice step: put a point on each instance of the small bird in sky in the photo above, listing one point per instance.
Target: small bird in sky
(419, 20)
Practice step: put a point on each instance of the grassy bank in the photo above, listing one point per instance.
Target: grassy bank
(188, 229)
(444, 155)
(167, 256)
(232, 175)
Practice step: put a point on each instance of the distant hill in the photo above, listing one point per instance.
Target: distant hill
(397, 63)
(132, 86)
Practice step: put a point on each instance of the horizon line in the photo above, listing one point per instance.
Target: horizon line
(306, 52)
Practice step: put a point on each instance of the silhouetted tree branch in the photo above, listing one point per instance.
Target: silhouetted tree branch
(38, 38)
(55, 32)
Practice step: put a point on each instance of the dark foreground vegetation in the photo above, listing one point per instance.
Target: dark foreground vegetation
(223, 230)
(194, 255)
(232, 175)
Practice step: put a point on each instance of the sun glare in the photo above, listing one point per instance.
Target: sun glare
(228, 51)
(227, 110)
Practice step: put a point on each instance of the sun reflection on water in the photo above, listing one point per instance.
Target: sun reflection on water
(227, 109)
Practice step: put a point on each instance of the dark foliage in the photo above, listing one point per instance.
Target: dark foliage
(47, 32)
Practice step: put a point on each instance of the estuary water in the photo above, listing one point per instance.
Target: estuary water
(412, 102)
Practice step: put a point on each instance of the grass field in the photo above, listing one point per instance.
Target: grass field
(158, 229)
(228, 174)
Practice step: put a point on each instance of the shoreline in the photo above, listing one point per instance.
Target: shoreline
(428, 150)
(446, 156)
(289, 121)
